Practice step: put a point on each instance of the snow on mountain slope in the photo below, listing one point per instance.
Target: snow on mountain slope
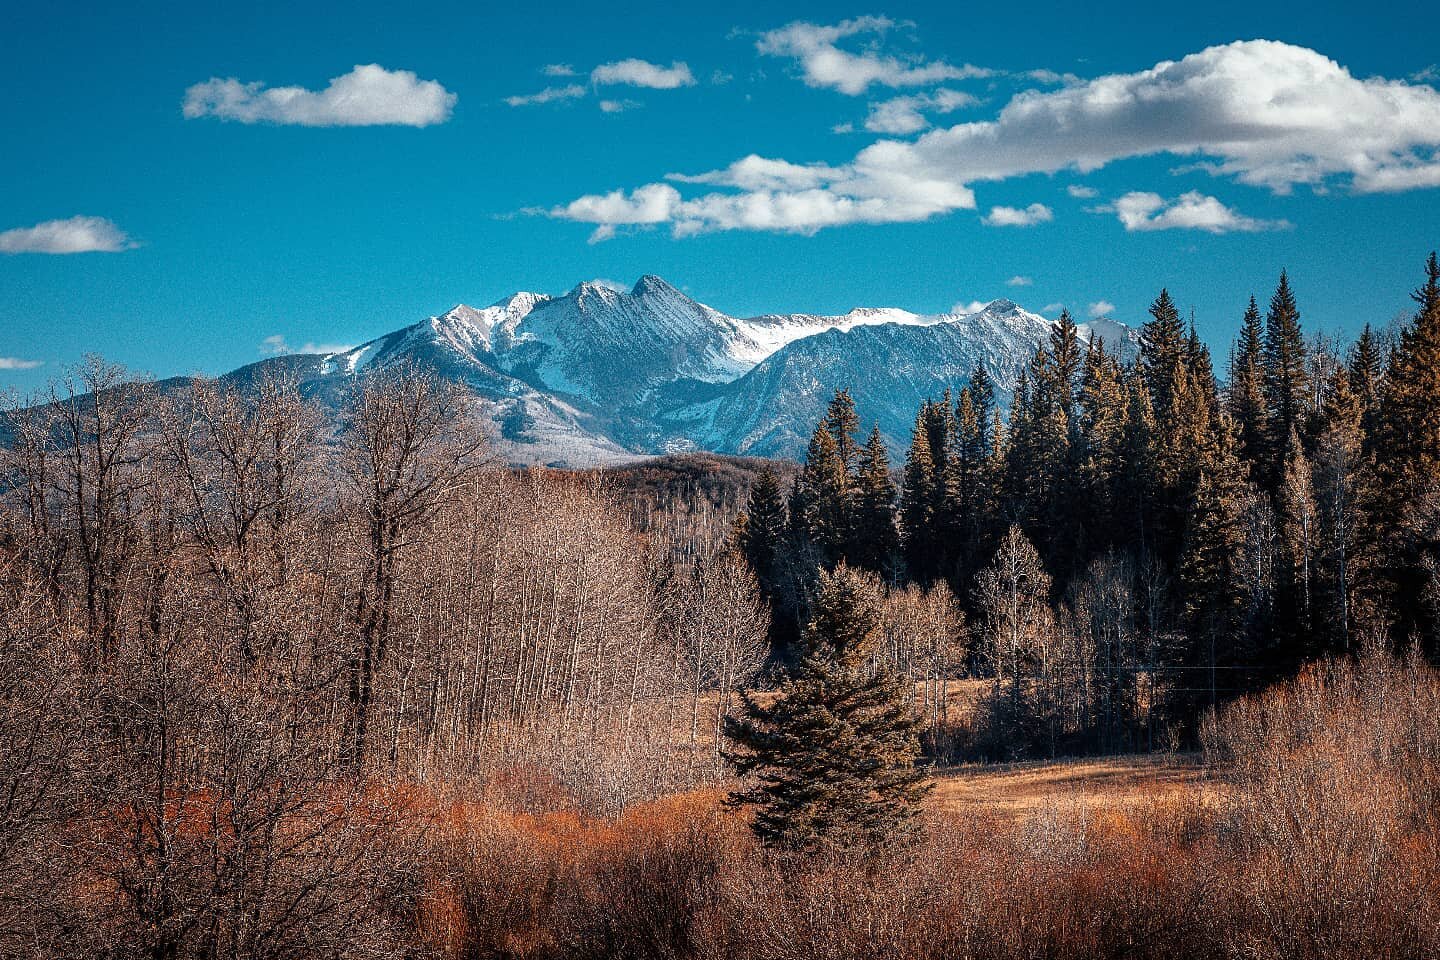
(603, 374)
(889, 368)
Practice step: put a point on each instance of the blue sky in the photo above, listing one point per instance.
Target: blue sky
(220, 218)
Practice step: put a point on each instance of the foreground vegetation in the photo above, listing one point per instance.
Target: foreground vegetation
(272, 686)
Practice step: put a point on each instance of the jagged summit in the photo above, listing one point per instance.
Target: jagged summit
(605, 372)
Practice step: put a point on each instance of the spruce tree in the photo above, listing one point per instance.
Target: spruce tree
(1407, 455)
(1284, 379)
(1246, 388)
(820, 509)
(833, 755)
(917, 499)
(875, 541)
(763, 534)
(1163, 350)
(843, 424)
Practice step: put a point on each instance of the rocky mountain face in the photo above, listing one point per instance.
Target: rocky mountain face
(603, 374)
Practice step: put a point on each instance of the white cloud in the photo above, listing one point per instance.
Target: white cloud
(1082, 192)
(1020, 281)
(548, 95)
(368, 95)
(277, 346)
(16, 363)
(1100, 308)
(1015, 217)
(965, 309)
(1052, 308)
(558, 70)
(824, 64)
(906, 114)
(843, 128)
(1052, 77)
(1427, 75)
(1140, 211)
(1264, 113)
(75, 235)
(719, 78)
(618, 106)
(642, 73)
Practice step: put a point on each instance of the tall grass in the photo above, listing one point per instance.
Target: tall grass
(1321, 839)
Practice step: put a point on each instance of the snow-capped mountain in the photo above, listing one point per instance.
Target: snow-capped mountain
(603, 373)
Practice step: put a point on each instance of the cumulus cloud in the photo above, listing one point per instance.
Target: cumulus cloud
(1263, 113)
(17, 363)
(1100, 308)
(642, 73)
(1019, 281)
(824, 64)
(1082, 192)
(1140, 211)
(906, 114)
(368, 95)
(1016, 217)
(548, 95)
(277, 346)
(75, 235)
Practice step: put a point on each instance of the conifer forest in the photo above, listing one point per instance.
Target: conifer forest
(1133, 657)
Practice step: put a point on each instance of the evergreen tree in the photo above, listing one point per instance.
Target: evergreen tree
(1367, 371)
(763, 535)
(1066, 360)
(1102, 408)
(1407, 454)
(834, 754)
(843, 424)
(820, 509)
(917, 499)
(1247, 389)
(1285, 379)
(1210, 572)
(1163, 351)
(875, 541)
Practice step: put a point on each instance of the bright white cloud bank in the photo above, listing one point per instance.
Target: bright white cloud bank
(368, 95)
(1264, 113)
(75, 235)
(1190, 211)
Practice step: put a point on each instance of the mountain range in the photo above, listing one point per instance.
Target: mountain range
(604, 374)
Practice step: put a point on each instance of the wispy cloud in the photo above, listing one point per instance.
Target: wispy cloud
(618, 106)
(907, 114)
(1081, 192)
(1140, 211)
(17, 363)
(1020, 281)
(369, 95)
(823, 63)
(558, 70)
(75, 235)
(548, 95)
(1100, 308)
(1034, 214)
(642, 73)
(277, 346)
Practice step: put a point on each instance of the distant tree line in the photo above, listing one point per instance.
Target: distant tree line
(1139, 540)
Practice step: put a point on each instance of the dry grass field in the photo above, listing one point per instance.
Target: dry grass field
(1014, 791)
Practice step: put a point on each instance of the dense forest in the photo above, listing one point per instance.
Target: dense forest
(1141, 541)
(277, 686)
